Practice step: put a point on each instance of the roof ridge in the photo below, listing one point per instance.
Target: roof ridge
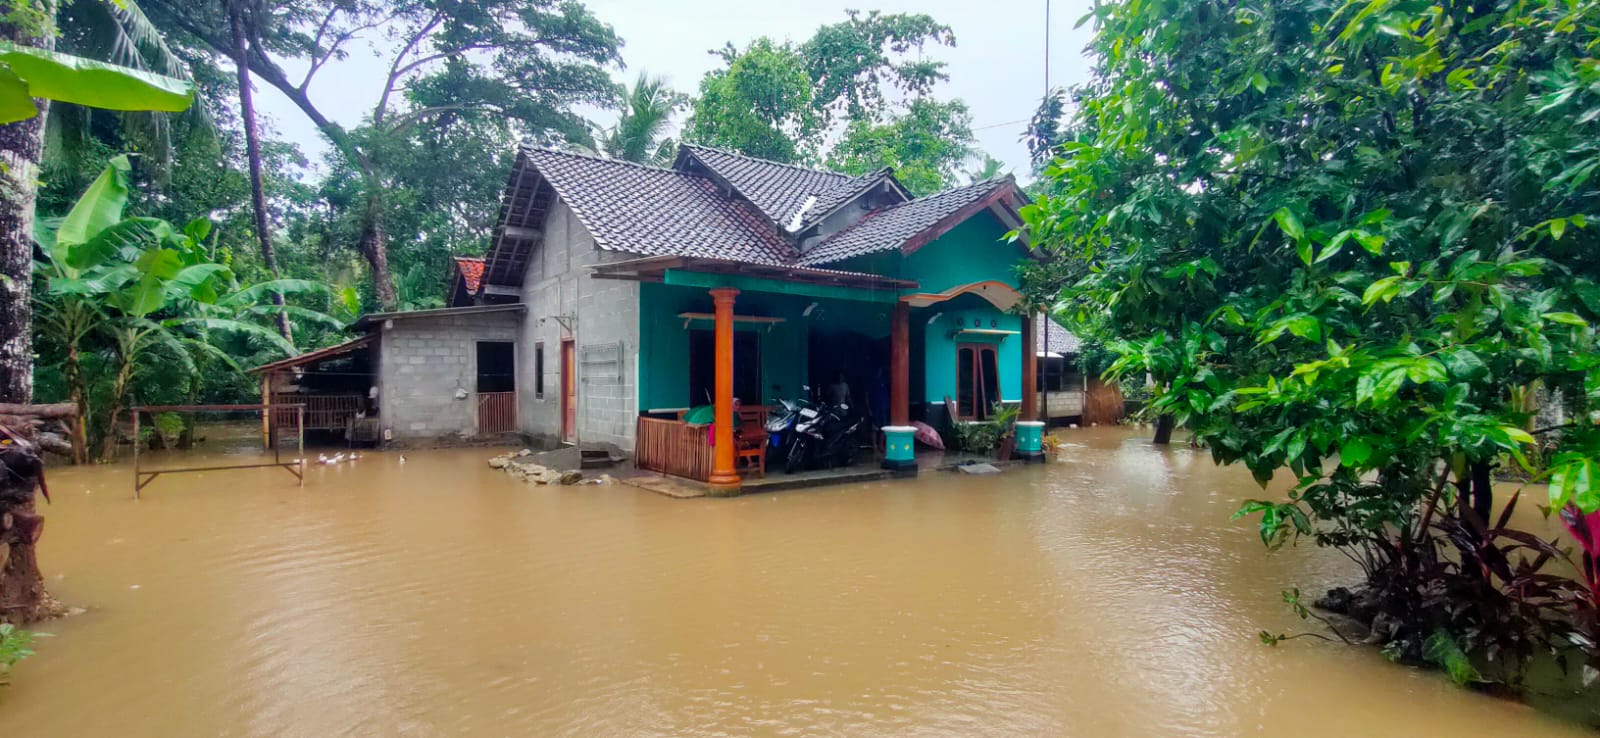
(740, 155)
(596, 157)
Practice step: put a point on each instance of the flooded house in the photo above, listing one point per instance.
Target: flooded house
(616, 296)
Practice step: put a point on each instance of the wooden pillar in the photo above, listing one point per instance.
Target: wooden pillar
(266, 414)
(724, 478)
(1030, 371)
(900, 365)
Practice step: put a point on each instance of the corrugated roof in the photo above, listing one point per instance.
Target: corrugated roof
(312, 357)
(648, 210)
(893, 226)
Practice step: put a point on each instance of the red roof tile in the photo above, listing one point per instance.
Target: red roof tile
(471, 268)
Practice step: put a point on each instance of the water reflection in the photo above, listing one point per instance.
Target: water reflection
(1104, 595)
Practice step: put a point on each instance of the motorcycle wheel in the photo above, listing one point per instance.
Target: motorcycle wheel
(795, 458)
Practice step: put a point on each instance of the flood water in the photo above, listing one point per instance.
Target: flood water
(1105, 595)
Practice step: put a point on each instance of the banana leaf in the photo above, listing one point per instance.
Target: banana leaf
(50, 75)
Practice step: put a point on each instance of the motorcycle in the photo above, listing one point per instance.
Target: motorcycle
(824, 435)
(780, 427)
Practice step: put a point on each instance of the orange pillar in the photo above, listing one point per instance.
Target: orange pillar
(1030, 370)
(900, 365)
(724, 478)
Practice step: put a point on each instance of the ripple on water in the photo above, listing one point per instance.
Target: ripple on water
(1104, 595)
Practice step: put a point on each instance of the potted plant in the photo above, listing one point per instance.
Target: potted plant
(1004, 419)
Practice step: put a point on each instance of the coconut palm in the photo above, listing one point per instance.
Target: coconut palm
(640, 132)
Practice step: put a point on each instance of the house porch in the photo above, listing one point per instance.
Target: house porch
(708, 337)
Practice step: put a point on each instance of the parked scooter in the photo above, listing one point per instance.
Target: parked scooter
(781, 424)
(824, 436)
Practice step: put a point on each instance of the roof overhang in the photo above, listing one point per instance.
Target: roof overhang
(1004, 202)
(313, 357)
(372, 320)
(654, 269)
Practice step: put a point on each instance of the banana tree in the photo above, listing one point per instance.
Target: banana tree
(145, 285)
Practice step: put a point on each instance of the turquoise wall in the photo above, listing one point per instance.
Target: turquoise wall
(664, 342)
(971, 252)
(939, 351)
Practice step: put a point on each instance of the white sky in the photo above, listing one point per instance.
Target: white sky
(997, 65)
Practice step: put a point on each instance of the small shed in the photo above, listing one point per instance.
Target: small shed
(333, 383)
(446, 374)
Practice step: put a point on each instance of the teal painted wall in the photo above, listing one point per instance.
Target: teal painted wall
(939, 351)
(664, 343)
(970, 252)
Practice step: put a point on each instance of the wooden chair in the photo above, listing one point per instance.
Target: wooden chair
(750, 440)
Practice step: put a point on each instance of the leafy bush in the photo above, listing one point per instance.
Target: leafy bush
(1348, 240)
(15, 645)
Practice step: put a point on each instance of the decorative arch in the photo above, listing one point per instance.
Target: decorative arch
(999, 294)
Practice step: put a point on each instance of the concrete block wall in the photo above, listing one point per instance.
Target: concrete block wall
(422, 364)
(565, 302)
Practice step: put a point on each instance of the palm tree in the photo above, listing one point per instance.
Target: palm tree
(639, 134)
(987, 167)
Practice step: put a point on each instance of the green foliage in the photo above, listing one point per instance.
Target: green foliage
(27, 73)
(647, 110)
(16, 644)
(926, 145)
(984, 437)
(851, 62)
(1346, 238)
(790, 103)
(146, 294)
(759, 105)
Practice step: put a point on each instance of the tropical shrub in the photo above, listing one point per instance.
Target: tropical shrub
(1349, 240)
(127, 295)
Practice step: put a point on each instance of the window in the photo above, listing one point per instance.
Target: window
(977, 381)
(497, 368)
(538, 370)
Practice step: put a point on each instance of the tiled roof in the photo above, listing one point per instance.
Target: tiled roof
(471, 268)
(779, 190)
(890, 227)
(647, 210)
(1061, 340)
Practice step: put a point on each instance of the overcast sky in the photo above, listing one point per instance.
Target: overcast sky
(997, 65)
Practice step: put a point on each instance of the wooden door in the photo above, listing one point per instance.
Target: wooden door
(569, 393)
(977, 380)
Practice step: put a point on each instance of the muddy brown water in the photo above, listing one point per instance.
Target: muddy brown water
(1105, 595)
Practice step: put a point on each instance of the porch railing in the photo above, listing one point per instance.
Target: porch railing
(497, 412)
(672, 447)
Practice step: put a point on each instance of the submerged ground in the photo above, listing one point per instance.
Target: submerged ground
(1104, 595)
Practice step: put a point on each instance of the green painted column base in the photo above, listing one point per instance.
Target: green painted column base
(899, 448)
(1030, 441)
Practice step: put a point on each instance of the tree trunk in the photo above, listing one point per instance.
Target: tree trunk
(80, 402)
(119, 390)
(23, 598)
(1164, 425)
(21, 145)
(252, 152)
(375, 246)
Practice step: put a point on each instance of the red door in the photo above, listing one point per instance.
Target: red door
(569, 393)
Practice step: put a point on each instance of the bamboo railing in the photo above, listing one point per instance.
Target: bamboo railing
(672, 447)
